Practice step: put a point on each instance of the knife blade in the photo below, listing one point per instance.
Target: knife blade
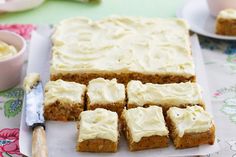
(34, 105)
(34, 114)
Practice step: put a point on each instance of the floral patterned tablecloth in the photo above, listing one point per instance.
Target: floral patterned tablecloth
(11, 104)
(220, 61)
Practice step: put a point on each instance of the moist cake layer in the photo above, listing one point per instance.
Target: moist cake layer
(193, 119)
(145, 122)
(98, 124)
(122, 45)
(173, 94)
(101, 91)
(124, 78)
(64, 92)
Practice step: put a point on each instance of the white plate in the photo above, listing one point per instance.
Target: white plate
(197, 14)
(19, 5)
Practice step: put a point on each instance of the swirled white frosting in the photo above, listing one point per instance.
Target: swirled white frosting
(6, 51)
(98, 124)
(122, 44)
(145, 122)
(105, 91)
(193, 119)
(65, 92)
(163, 94)
(227, 14)
(31, 80)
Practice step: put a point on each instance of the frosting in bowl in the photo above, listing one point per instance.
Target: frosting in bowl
(6, 50)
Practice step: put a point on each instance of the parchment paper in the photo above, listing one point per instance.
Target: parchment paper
(61, 136)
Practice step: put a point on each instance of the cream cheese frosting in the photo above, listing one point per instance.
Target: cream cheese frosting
(122, 45)
(163, 94)
(31, 80)
(193, 119)
(98, 124)
(6, 51)
(228, 14)
(65, 92)
(105, 91)
(145, 122)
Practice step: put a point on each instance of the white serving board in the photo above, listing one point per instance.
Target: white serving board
(61, 136)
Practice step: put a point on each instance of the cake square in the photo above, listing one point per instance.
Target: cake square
(98, 131)
(163, 95)
(190, 127)
(226, 22)
(106, 94)
(145, 128)
(126, 48)
(64, 101)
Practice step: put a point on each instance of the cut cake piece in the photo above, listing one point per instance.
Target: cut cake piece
(63, 100)
(145, 128)
(226, 22)
(190, 127)
(163, 95)
(106, 94)
(98, 131)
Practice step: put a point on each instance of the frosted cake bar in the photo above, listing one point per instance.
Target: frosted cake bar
(98, 131)
(106, 94)
(190, 127)
(226, 22)
(63, 100)
(163, 95)
(145, 128)
(126, 48)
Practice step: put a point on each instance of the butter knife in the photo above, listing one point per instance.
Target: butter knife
(34, 114)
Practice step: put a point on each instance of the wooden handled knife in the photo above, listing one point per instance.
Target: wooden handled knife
(34, 114)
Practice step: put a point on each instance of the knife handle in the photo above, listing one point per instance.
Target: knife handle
(39, 145)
